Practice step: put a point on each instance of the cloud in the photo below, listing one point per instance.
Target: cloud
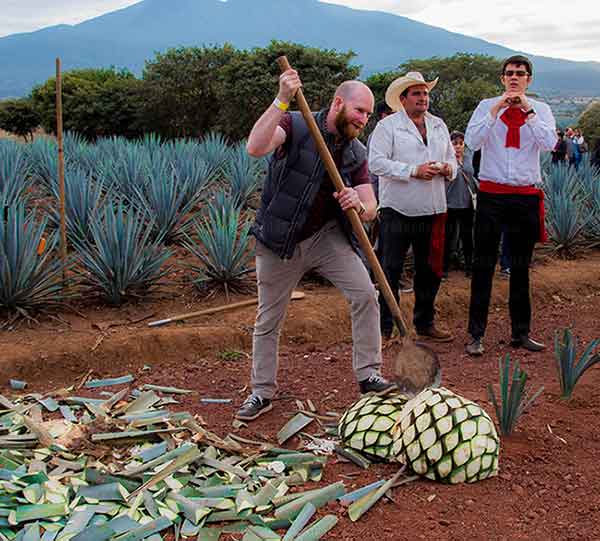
(30, 15)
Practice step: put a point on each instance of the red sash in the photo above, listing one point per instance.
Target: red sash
(436, 246)
(488, 186)
(514, 118)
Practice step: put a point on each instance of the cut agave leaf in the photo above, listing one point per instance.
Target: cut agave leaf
(293, 426)
(318, 529)
(321, 497)
(300, 522)
(361, 506)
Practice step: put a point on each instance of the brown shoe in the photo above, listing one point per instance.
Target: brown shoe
(433, 334)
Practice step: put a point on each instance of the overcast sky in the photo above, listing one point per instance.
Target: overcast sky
(557, 28)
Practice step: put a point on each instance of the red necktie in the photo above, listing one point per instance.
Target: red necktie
(514, 118)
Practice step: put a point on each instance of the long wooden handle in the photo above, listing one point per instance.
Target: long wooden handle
(241, 304)
(352, 214)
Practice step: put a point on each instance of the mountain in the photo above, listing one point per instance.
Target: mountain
(128, 37)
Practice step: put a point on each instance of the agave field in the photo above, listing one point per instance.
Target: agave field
(111, 429)
(129, 207)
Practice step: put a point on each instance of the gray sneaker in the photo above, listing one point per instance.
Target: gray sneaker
(475, 347)
(376, 384)
(253, 407)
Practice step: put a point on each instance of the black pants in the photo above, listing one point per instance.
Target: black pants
(396, 234)
(459, 221)
(519, 214)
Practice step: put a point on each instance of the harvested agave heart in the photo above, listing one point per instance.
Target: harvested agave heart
(366, 425)
(446, 438)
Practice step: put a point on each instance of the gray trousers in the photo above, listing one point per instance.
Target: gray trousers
(329, 253)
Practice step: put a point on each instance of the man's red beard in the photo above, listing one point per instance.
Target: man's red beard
(344, 127)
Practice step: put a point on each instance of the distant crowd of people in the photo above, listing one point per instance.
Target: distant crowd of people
(570, 147)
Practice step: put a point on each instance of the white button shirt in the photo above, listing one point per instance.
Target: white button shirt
(396, 149)
(513, 166)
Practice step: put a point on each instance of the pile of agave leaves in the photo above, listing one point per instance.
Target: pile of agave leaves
(123, 467)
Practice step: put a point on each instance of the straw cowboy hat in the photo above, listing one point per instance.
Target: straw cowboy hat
(399, 85)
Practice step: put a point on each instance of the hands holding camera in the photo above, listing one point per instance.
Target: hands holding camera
(428, 170)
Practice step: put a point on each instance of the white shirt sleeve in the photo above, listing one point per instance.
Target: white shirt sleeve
(381, 151)
(543, 127)
(479, 126)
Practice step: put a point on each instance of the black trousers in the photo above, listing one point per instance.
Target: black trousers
(459, 221)
(519, 214)
(396, 234)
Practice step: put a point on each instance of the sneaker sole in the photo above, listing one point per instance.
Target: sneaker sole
(252, 417)
(426, 338)
(385, 391)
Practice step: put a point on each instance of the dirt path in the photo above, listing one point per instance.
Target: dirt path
(549, 482)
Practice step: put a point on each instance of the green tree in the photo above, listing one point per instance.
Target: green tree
(18, 117)
(589, 123)
(181, 91)
(249, 83)
(191, 91)
(465, 79)
(96, 102)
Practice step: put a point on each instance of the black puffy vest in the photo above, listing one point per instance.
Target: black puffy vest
(292, 183)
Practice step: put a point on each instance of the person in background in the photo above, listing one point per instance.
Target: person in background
(382, 109)
(460, 195)
(512, 130)
(580, 145)
(411, 152)
(572, 149)
(559, 152)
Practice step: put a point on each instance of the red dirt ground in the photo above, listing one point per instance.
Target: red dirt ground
(549, 482)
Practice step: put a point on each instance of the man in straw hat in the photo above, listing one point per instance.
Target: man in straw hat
(411, 153)
(301, 226)
(510, 130)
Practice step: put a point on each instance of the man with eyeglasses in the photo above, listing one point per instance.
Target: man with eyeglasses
(510, 130)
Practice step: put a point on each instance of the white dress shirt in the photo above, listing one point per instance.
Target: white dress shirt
(396, 150)
(514, 166)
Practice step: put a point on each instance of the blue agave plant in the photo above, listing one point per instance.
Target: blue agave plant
(222, 247)
(214, 150)
(244, 173)
(30, 274)
(14, 173)
(568, 367)
(43, 157)
(168, 198)
(83, 196)
(123, 261)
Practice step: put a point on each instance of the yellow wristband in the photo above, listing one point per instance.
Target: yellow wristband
(280, 104)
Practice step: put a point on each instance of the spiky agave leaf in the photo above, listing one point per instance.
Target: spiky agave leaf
(167, 198)
(14, 173)
(83, 197)
(128, 173)
(568, 367)
(30, 277)
(214, 150)
(244, 173)
(223, 249)
(189, 164)
(515, 399)
(124, 261)
(43, 156)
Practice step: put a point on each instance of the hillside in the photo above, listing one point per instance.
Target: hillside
(128, 37)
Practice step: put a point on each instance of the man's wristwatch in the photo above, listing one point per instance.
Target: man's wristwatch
(362, 209)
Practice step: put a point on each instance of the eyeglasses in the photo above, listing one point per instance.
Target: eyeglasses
(518, 73)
